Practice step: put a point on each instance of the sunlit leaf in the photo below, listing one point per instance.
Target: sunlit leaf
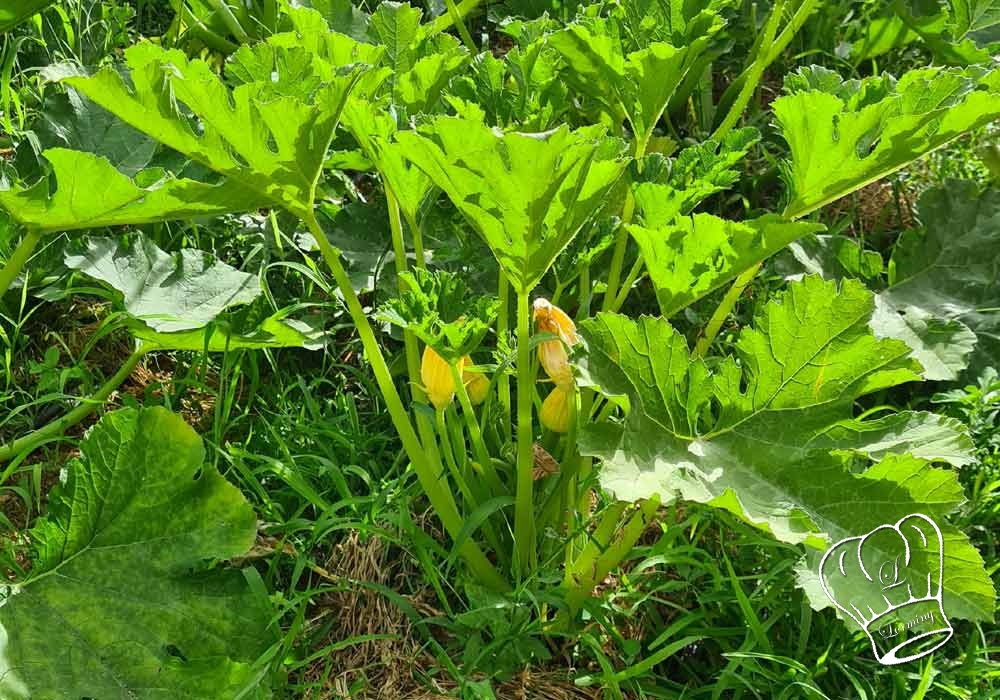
(944, 279)
(844, 135)
(756, 434)
(695, 255)
(526, 194)
(77, 204)
(272, 144)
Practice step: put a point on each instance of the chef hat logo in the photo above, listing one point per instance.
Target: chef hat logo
(889, 582)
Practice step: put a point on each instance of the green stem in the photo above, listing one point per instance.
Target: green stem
(447, 19)
(618, 258)
(755, 71)
(608, 546)
(449, 459)
(626, 287)
(456, 19)
(476, 434)
(418, 241)
(412, 350)
(586, 293)
(273, 218)
(399, 249)
(18, 259)
(524, 534)
(440, 497)
(771, 53)
(85, 408)
(503, 332)
(722, 311)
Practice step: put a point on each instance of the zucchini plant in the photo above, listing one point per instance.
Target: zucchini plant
(564, 157)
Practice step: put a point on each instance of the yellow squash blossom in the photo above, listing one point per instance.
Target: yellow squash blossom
(552, 353)
(435, 373)
(555, 413)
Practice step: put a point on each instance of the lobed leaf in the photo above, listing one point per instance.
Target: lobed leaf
(763, 434)
(120, 601)
(844, 135)
(439, 308)
(526, 194)
(944, 280)
(633, 85)
(167, 292)
(695, 255)
(272, 144)
(153, 196)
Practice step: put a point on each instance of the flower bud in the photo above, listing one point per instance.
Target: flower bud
(555, 413)
(552, 354)
(435, 373)
(476, 384)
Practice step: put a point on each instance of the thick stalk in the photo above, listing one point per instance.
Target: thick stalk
(722, 311)
(586, 293)
(754, 73)
(630, 279)
(524, 521)
(418, 241)
(85, 408)
(456, 20)
(447, 19)
(503, 332)
(425, 427)
(618, 258)
(399, 249)
(440, 497)
(770, 53)
(18, 259)
(609, 545)
(448, 450)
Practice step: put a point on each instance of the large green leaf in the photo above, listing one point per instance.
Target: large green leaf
(176, 301)
(373, 128)
(154, 196)
(977, 19)
(120, 601)
(16, 11)
(846, 134)
(757, 434)
(167, 292)
(275, 331)
(69, 120)
(945, 278)
(258, 134)
(396, 26)
(904, 485)
(526, 194)
(634, 85)
(942, 346)
(695, 255)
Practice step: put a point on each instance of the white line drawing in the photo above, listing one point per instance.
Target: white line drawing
(912, 623)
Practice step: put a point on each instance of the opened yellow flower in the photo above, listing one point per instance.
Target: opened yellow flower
(555, 413)
(552, 353)
(476, 384)
(435, 373)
